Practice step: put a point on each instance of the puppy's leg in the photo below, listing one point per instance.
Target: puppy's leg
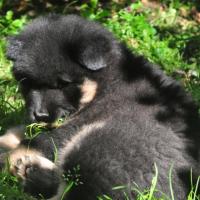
(12, 138)
(39, 175)
(32, 162)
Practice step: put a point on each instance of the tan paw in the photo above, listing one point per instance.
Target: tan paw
(21, 167)
(22, 160)
(12, 138)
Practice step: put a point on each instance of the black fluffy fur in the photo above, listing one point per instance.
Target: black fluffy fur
(41, 181)
(148, 116)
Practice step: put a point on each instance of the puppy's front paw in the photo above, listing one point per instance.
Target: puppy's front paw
(12, 138)
(22, 166)
(21, 159)
(40, 176)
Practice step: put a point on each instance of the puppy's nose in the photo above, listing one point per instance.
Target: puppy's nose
(41, 116)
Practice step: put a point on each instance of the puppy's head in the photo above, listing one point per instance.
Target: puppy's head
(56, 62)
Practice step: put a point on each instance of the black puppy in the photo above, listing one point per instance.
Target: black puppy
(125, 114)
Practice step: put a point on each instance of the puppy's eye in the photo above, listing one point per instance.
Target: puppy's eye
(22, 80)
(25, 82)
(29, 83)
(63, 81)
(61, 85)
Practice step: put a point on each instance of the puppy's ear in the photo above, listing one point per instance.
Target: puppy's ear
(13, 48)
(93, 53)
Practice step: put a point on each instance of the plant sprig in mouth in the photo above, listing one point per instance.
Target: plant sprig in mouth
(34, 129)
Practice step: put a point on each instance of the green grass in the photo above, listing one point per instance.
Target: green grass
(11, 105)
(165, 37)
(152, 193)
